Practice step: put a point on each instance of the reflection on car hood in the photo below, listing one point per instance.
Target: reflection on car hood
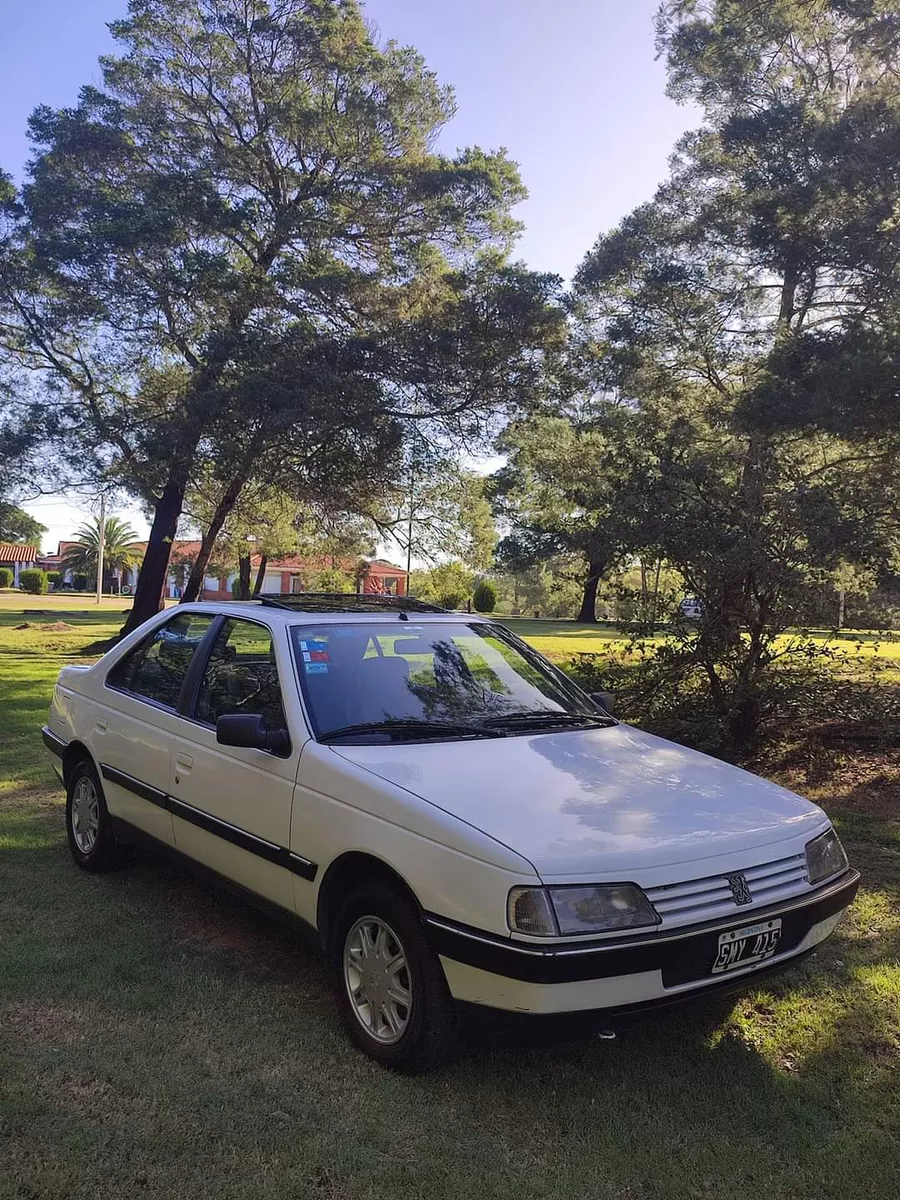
(595, 801)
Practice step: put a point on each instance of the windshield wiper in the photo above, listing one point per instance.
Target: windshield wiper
(400, 726)
(544, 717)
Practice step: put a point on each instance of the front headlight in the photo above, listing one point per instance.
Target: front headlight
(595, 908)
(825, 857)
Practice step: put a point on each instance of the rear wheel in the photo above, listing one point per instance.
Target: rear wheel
(390, 988)
(92, 839)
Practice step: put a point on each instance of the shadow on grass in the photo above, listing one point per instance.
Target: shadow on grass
(154, 1029)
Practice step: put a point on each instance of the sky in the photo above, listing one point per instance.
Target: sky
(569, 88)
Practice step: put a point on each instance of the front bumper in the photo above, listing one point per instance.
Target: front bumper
(644, 970)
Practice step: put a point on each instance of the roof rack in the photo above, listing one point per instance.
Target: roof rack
(352, 602)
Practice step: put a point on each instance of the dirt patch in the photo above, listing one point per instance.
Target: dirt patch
(47, 626)
(97, 1101)
(853, 767)
(211, 921)
(48, 1024)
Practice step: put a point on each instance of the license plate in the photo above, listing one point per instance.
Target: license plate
(750, 944)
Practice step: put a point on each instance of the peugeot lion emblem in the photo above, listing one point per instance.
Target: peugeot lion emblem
(740, 889)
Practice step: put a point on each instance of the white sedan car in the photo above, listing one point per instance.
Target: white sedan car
(447, 812)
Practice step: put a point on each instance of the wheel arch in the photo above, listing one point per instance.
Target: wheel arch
(75, 752)
(347, 871)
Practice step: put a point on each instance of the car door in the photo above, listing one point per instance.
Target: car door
(231, 805)
(136, 719)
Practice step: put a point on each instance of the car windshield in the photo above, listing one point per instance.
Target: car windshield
(365, 682)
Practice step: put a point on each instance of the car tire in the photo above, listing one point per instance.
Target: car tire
(92, 839)
(414, 1033)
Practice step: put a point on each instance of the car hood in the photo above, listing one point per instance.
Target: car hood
(600, 802)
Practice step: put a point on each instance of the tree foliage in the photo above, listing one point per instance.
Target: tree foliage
(121, 549)
(771, 237)
(449, 584)
(441, 512)
(16, 525)
(558, 491)
(242, 254)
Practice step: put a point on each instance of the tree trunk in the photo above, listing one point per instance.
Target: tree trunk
(150, 591)
(243, 588)
(260, 576)
(194, 585)
(654, 613)
(842, 598)
(587, 614)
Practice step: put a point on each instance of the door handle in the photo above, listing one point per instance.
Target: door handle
(184, 761)
(102, 724)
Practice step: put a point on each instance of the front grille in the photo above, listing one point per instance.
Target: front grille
(706, 899)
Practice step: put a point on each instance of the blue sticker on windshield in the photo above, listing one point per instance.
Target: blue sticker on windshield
(315, 644)
(316, 668)
(343, 631)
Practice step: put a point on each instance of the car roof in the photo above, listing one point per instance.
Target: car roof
(288, 614)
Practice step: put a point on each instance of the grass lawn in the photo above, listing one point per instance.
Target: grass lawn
(158, 1039)
(562, 639)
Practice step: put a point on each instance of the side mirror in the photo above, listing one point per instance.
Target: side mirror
(604, 700)
(249, 731)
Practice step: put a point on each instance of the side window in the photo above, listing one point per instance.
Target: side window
(241, 676)
(155, 669)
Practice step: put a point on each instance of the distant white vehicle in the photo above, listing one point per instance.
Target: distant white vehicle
(691, 609)
(447, 813)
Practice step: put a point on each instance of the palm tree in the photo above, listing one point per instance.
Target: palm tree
(119, 548)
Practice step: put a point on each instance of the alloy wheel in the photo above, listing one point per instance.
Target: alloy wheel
(85, 814)
(377, 978)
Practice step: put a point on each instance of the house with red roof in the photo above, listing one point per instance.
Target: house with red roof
(17, 558)
(287, 575)
(291, 574)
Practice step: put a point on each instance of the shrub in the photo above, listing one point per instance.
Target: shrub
(451, 600)
(34, 582)
(808, 684)
(6, 577)
(80, 582)
(485, 598)
(53, 578)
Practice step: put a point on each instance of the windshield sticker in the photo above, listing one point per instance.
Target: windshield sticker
(316, 668)
(317, 655)
(344, 631)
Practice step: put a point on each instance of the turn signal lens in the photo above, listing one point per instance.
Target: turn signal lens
(529, 911)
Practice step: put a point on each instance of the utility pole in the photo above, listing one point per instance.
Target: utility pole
(409, 529)
(101, 547)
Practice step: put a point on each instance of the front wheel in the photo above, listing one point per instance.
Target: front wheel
(92, 839)
(390, 988)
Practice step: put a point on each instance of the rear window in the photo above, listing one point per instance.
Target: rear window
(155, 669)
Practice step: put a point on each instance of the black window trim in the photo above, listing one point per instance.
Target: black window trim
(177, 708)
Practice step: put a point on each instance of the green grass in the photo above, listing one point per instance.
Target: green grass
(562, 639)
(158, 1039)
